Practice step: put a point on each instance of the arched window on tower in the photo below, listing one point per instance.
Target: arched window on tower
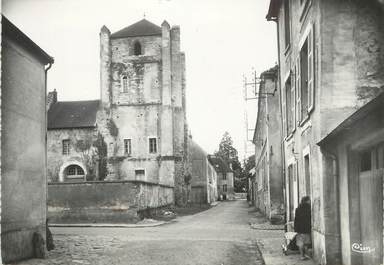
(124, 84)
(137, 48)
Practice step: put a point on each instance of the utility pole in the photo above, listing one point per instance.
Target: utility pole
(250, 91)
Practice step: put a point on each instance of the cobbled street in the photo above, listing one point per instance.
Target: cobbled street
(220, 235)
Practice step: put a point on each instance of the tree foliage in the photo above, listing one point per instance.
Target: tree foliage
(229, 154)
(226, 150)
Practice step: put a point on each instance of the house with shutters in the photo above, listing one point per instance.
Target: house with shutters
(330, 64)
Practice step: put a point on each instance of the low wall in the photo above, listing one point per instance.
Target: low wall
(104, 201)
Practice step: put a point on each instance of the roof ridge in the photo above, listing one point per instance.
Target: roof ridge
(142, 27)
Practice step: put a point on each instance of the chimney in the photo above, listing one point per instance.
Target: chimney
(51, 98)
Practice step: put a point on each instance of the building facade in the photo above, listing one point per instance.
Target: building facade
(137, 130)
(268, 180)
(225, 178)
(23, 156)
(330, 59)
(355, 166)
(203, 176)
(73, 150)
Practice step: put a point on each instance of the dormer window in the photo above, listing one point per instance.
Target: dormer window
(137, 48)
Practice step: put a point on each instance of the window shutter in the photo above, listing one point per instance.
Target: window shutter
(293, 98)
(310, 70)
(298, 90)
(284, 112)
(296, 173)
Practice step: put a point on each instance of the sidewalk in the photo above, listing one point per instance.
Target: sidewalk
(269, 240)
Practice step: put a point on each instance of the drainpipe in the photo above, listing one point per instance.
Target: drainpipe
(46, 119)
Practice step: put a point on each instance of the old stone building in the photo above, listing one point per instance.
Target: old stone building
(203, 176)
(331, 63)
(137, 130)
(23, 143)
(74, 154)
(268, 180)
(225, 178)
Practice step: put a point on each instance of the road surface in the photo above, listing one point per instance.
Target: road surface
(220, 235)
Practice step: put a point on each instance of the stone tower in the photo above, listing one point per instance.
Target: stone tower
(142, 81)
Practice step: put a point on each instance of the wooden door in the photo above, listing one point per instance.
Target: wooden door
(371, 207)
(293, 190)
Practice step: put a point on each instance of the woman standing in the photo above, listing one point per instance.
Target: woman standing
(302, 226)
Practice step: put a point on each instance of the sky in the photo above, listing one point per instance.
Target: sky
(223, 40)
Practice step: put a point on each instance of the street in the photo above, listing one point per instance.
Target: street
(220, 235)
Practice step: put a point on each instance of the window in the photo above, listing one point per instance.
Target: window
(65, 144)
(137, 48)
(290, 106)
(365, 161)
(305, 78)
(307, 175)
(224, 175)
(74, 172)
(127, 147)
(291, 192)
(152, 145)
(225, 188)
(287, 27)
(124, 84)
(140, 174)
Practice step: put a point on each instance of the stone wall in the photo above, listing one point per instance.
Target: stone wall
(23, 160)
(85, 158)
(268, 154)
(203, 176)
(105, 201)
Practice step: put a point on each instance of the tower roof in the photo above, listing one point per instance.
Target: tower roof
(140, 28)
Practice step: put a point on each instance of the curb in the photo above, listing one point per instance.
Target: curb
(113, 225)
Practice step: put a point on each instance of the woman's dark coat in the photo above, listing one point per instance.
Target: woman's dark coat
(303, 219)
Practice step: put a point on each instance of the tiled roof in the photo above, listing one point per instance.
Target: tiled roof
(141, 28)
(73, 114)
(219, 164)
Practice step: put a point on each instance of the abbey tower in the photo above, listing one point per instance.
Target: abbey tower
(142, 85)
